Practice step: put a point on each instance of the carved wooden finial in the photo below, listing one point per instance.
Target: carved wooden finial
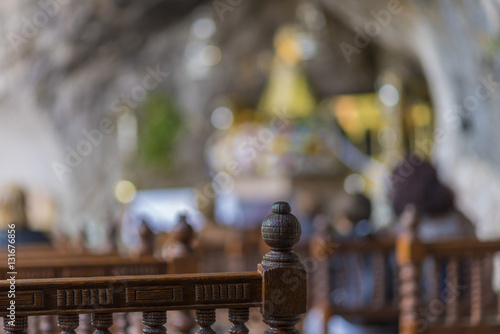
(281, 230)
(283, 273)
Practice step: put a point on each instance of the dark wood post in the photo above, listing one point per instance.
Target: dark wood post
(284, 294)
(410, 253)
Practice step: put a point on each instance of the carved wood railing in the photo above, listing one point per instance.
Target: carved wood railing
(457, 277)
(354, 279)
(279, 288)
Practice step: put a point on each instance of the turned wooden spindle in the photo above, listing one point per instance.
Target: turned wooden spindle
(239, 316)
(205, 318)
(20, 326)
(154, 321)
(379, 279)
(284, 276)
(102, 322)
(68, 323)
(451, 291)
(477, 296)
(488, 291)
(410, 253)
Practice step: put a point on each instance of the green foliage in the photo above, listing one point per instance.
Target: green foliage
(161, 125)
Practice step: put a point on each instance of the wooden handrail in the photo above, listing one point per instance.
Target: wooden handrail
(85, 266)
(132, 293)
(462, 247)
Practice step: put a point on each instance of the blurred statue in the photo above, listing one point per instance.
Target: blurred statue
(147, 240)
(13, 211)
(416, 182)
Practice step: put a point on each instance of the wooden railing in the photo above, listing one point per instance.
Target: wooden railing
(458, 279)
(278, 287)
(85, 266)
(355, 279)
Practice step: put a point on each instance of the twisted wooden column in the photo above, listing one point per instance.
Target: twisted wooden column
(284, 276)
(239, 316)
(410, 253)
(451, 297)
(154, 321)
(205, 319)
(102, 322)
(68, 323)
(20, 325)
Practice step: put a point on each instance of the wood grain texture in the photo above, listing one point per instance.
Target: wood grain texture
(129, 293)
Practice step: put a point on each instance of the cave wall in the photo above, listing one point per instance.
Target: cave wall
(456, 44)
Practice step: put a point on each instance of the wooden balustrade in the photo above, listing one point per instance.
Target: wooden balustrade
(460, 297)
(350, 278)
(278, 287)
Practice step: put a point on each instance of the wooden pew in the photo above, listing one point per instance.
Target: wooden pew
(460, 297)
(355, 279)
(278, 287)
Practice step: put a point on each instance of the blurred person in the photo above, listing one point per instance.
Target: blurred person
(415, 181)
(353, 220)
(13, 211)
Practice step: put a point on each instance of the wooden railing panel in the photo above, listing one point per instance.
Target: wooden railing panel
(133, 293)
(462, 275)
(279, 288)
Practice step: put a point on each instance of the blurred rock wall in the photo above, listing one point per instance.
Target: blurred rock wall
(457, 46)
